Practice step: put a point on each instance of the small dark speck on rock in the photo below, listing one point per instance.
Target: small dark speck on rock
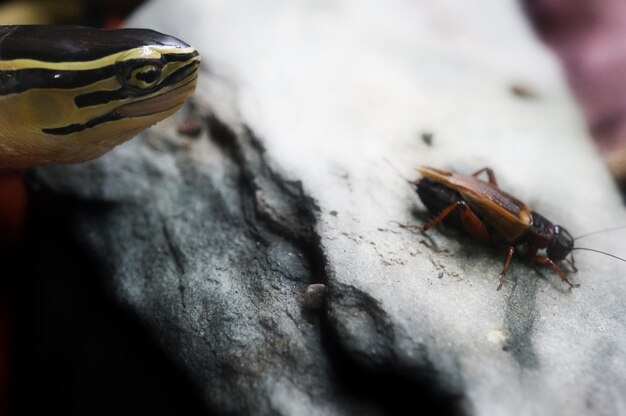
(523, 91)
(190, 127)
(427, 138)
(333, 213)
(314, 296)
(440, 275)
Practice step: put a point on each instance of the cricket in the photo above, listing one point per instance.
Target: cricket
(489, 215)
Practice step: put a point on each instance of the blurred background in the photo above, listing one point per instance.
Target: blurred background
(101, 13)
(589, 38)
(64, 346)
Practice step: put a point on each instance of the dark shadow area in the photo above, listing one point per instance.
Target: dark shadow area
(75, 352)
(392, 391)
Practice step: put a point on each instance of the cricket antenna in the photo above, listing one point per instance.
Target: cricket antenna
(606, 230)
(601, 252)
(395, 168)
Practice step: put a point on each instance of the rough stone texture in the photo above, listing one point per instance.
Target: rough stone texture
(315, 111)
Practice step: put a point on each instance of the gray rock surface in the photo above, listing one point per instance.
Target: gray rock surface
(314, 113)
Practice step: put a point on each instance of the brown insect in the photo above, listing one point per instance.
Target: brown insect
(491, 215)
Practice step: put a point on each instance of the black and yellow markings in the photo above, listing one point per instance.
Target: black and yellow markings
(88, 85)
(117, 78)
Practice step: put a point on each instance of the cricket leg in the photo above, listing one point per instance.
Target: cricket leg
(553, 265)
(572, 263)
(436, 220)
(490, 175)
(509, 256)
(473, 225)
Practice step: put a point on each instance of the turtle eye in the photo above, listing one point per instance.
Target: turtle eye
(143, 77)
(146, 76)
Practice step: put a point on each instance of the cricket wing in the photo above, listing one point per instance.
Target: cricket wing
(437, 175)
(503, 213)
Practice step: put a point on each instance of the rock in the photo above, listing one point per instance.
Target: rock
(314, 296)
(315, 114)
